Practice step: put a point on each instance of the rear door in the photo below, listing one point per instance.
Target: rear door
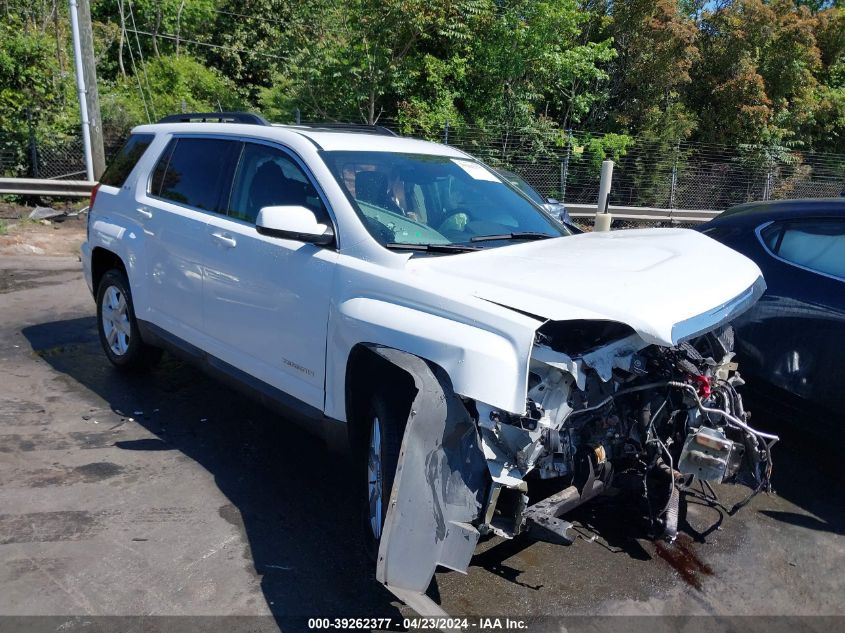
(266, 299)
(185, 188)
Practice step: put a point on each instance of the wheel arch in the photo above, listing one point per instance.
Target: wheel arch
(485, 364)
(102, 261)
(369, 371)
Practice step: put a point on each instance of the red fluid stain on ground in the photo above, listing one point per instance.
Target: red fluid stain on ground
(683, 559)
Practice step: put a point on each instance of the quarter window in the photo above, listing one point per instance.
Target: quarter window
(192, 170)
(126, 159)
(817, 244)
(266, 177)
(771, 235)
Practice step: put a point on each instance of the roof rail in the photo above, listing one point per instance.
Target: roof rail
(215, 117)
(351, 127)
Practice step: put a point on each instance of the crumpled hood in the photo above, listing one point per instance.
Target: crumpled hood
(667, 284)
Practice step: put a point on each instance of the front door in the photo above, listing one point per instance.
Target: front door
(265, 299)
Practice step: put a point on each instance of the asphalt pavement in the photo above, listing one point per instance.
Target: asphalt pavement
(169, 494)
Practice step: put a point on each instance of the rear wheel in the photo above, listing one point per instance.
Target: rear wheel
(385, 427)
(117, 326)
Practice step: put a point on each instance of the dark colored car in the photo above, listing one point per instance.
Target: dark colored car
(553, 207)
(794, 337)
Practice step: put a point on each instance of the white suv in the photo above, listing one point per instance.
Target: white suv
(403, 299)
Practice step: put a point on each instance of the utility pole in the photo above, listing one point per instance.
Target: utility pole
(89, 74)
(80, 88)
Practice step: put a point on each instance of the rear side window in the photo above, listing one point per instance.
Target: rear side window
(193, 171)
(123, 164)
(817, 244)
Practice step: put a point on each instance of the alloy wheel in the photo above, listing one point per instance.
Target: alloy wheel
(115, 320)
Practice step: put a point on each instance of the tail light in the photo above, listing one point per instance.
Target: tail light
(94, 191)
(93, 197)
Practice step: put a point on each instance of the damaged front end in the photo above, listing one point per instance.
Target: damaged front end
(605, 410)
(624, 414)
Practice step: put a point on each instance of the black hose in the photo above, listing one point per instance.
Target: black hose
(672, 508)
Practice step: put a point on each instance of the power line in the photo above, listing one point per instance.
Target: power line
(168, 36)
(132, 59)
(141, 55)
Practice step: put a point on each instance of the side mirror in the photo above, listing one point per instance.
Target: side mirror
(293, 222)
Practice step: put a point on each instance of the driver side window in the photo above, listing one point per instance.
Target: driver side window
(266, 176)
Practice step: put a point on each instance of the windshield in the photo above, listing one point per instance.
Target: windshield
(419, 199)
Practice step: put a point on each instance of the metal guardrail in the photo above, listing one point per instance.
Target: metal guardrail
(44, 187)
(646, 214)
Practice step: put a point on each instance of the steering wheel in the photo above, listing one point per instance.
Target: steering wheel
(456, 221)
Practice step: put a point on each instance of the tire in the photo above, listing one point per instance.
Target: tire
(385, 426)
(118, 327)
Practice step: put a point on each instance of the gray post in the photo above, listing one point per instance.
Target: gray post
(298, 116)
(89, 69)
(767, 193)
(564, 166)
(80, 87)
(446, 133)
(674, 182)
(603, 218)
(604, 185)
(33, 148)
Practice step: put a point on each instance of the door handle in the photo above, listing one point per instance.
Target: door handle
(145, 213)
(225, 239)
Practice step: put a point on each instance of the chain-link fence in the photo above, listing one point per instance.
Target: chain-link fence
(13, 159)
(683, 175)
(38, 153)
(702, 176)
(559, 164)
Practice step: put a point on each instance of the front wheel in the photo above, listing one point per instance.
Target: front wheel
(385, 427)
(117, 326)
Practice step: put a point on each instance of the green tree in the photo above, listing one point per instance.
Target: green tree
(171, 84)
(657, 45)
(533, 58)
(253, 40)
(757, 76)
(363, 57)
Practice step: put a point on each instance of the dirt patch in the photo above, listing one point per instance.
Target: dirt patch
(21, 236)
(14, 211)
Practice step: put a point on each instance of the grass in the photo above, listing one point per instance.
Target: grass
(3, 228)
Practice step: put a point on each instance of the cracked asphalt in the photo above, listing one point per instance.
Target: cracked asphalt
(169, 494)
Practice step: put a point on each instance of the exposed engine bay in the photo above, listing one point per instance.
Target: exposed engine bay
(624, 414)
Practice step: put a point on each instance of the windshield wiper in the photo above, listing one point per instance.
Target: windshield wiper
(431, 248)
(524, 235)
